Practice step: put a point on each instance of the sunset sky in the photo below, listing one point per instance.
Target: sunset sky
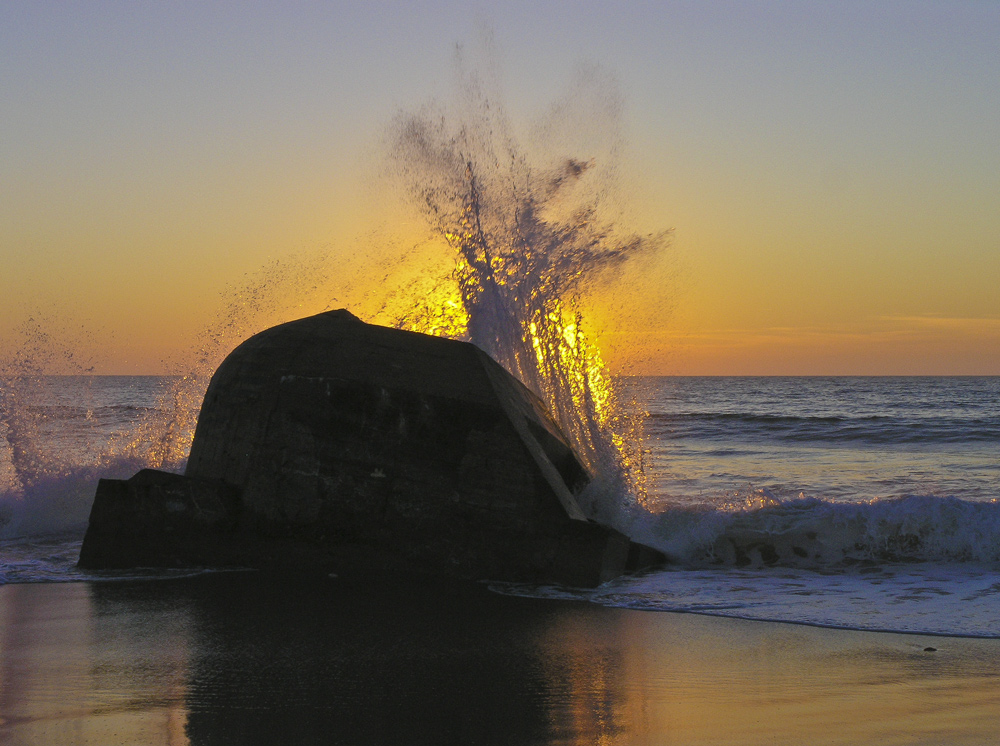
(831, 171)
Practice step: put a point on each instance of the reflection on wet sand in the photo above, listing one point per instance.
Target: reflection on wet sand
(585, 673)
(243, 659)
(705, 680)
(73, 672)
(344, 663)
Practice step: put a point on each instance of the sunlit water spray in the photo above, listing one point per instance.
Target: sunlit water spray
(61, 434)
(529, 239)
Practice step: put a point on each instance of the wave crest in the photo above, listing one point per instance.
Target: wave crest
(815, 533)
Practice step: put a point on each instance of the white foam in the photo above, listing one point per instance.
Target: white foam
(955, 600)
(809, 532)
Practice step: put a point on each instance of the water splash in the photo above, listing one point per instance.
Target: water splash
(278, 292)
(530, 237)
(22, 385)
(33, 471)
(46, 483)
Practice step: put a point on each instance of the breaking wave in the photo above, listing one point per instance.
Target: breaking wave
(762, 530)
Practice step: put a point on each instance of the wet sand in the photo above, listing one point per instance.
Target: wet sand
(240, 658)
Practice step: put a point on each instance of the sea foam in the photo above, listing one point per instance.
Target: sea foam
(815, 533)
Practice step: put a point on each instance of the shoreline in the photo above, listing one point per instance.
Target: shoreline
(254, 658)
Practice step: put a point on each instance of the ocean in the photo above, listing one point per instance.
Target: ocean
(865, 503)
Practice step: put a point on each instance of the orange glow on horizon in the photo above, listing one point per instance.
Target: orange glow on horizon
(886, 346)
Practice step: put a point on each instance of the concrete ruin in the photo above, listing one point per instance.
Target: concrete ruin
(333, 444)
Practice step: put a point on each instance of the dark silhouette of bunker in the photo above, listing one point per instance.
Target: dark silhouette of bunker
(354, 446)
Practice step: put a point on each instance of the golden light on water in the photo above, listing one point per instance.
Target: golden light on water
(528, 244)
(567, 369)
(438, 311)
(557, 340)
(579, 360)
(162, 440)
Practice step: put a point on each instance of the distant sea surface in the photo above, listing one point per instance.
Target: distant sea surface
(863, 503)
(840, 439)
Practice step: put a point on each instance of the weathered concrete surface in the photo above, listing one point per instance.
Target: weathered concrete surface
(365, 446)
(156, 519)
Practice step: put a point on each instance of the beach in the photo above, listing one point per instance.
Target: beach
(248, 658)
